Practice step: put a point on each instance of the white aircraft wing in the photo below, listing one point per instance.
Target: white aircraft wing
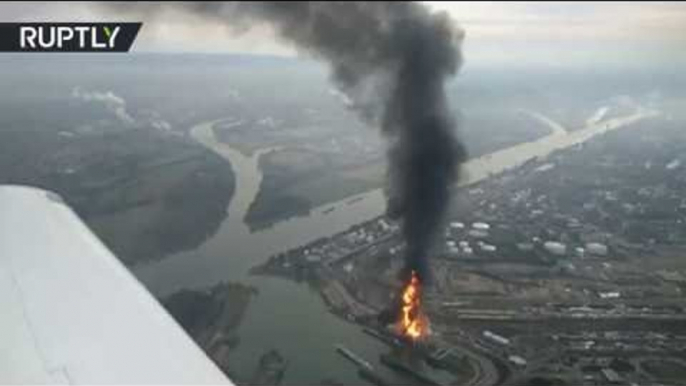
(71, 313)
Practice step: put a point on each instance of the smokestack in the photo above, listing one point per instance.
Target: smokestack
(392, 59)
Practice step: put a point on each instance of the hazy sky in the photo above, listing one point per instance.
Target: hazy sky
(521, 33)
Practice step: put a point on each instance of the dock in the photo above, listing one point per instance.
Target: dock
(398, 365)
(383, 337)
(372, 377)
(351, 356)
(365, 369)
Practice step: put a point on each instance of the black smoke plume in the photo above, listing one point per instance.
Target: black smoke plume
(393, 60)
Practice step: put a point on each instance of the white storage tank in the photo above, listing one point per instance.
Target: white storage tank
(482, 226)
(477, 234)
(555, 248)
(596, 249)
(488, 248)
(456, 225)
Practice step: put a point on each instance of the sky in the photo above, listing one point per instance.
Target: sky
(555, 34)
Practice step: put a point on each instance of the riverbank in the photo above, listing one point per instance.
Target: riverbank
(211, 317)
(297, 180)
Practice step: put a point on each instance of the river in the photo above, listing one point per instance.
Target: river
(289, 316)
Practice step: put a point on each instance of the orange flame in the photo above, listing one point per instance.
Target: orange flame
(413, 323)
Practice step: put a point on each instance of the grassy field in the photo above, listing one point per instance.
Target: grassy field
(297, 181)
(145, 194)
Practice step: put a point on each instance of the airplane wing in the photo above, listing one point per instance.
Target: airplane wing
(71, 313)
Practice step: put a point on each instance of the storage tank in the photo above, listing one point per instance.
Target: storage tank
(555, 248)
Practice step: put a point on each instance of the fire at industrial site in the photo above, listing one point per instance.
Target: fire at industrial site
(413, 323)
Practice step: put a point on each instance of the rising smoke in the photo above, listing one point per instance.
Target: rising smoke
(392, 60)
(117, 106)
(113, 103)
